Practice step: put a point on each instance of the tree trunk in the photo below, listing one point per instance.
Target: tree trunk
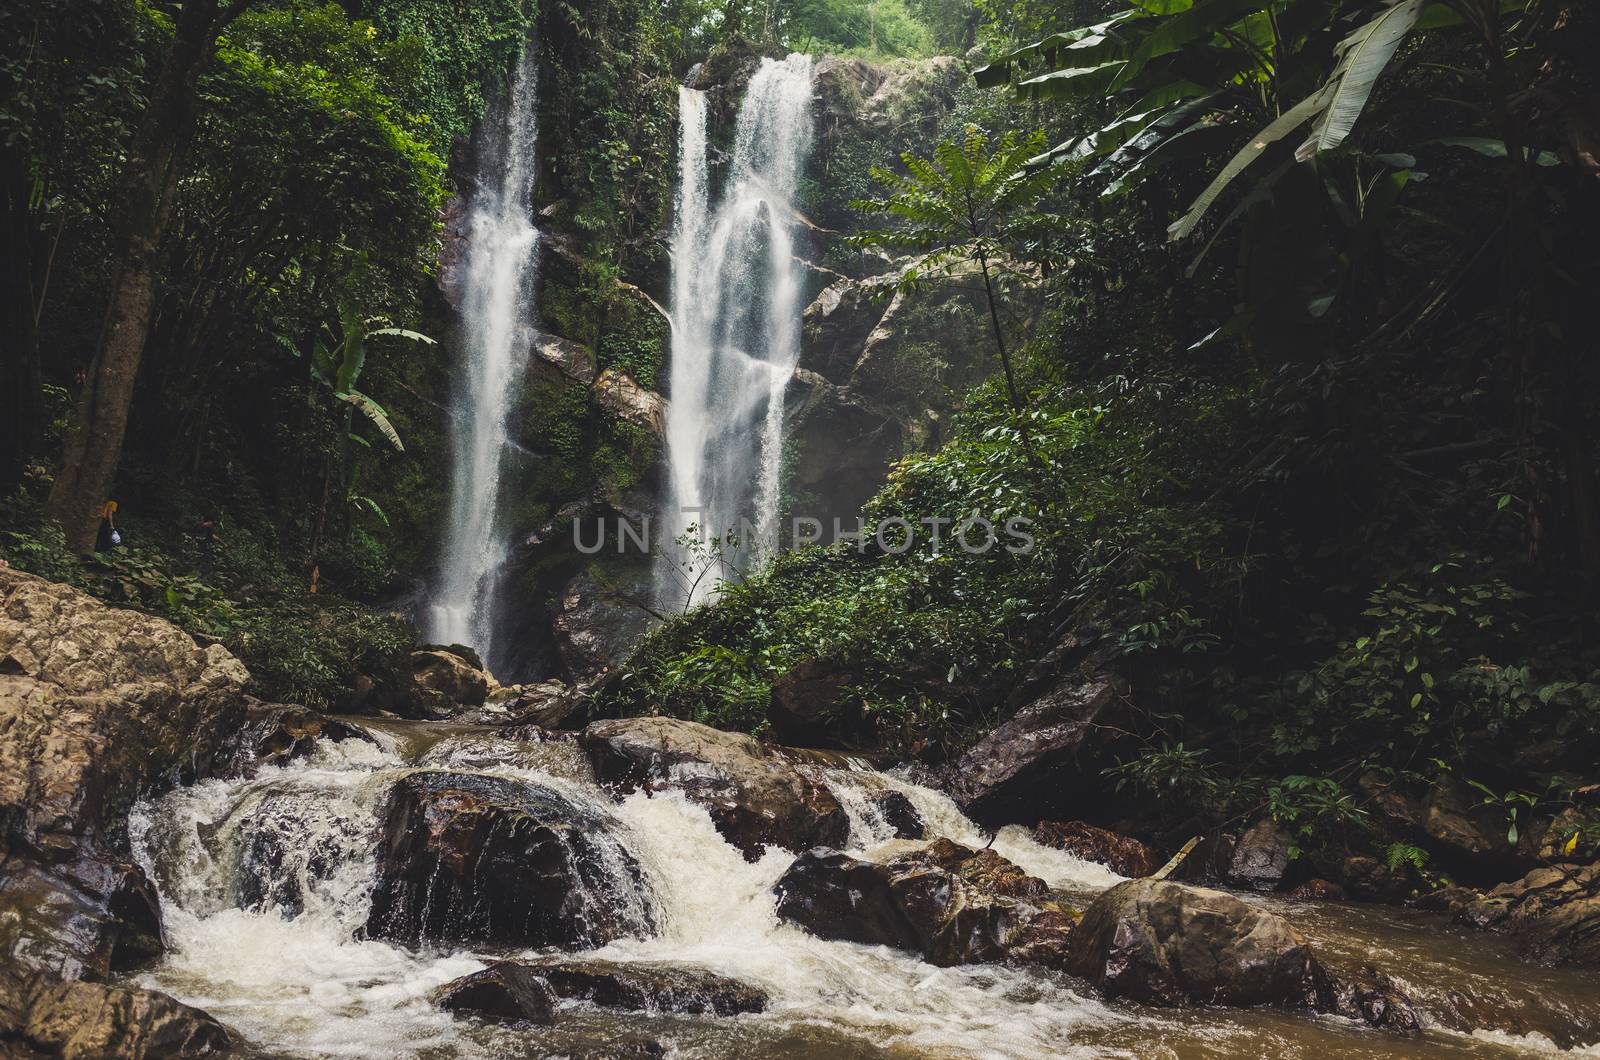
(93, 445)
(21, 415)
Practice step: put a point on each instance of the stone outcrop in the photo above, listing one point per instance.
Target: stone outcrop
(1168, 944)
(806, 703)
(756, 796)
(948, 903)
(1553, 913)
(1048, 756)
(1261, 858)
(1460, 833)
(481, 859)
(98, 706)
(447, 680)
(1121, 854)
(597, 625)
(94, 1021)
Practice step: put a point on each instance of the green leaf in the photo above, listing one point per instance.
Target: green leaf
(1363, 56)
(1290, 120)
(374, 412)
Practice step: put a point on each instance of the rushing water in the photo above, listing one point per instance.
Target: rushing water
(267, 881)
(736, 304)
(497, 287)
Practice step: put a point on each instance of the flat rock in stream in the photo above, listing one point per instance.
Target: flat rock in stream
(648, 986)
(948, 903)
(482, 859)
(1169, 944)
(506, 991)
(756, 795)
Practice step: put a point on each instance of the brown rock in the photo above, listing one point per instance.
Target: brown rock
(1261, 857)
(756, 797)
(1318, 891)
(474, 858)
(949, 903)
(92, 1021)
(506, 992)
(1552, 912)
(445, 682)
(1119, 853)
(1048, 754)
(805, 702)
(648, 986)
(98, 706)
(1170, 944)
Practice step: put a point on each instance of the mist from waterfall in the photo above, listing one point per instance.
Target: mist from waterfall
(736, 304)
(497, 290)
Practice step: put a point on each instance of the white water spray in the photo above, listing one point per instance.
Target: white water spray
(496, 304)
(736, 307)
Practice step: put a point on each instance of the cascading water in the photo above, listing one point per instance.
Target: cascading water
(736, 307)
(497, 287)
(266, 883)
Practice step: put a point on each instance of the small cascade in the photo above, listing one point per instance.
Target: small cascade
(737, 287)
(497, 290)
(267, 883)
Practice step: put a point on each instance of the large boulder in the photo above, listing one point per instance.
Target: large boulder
(505, 992)
(98, 706)
(1553, 913)
(1121, 854)
(481, 859)
(93, 1021)
(1461, 833)
(1261, 858)
(756, 796)
(1046, 758)
(1165, 943)
(946, 902)
(446, 681)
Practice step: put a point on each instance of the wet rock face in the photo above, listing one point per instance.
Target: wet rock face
(1552, 912)
(277, 733)
(1169, 944)
(1376, 1000)
(653, 986)
(898, 814)
(949, 903)
(476, 859)
(527, 991)
(506, 992)
(1261, 858)
(806, 701)
(446, 681)
(91, 1021)
(98, 705)
(596, 628)
(1049, 754)
(1121, 854)
(755, 796)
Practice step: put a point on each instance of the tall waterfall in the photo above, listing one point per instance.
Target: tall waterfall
(496, 302)
(736, 303)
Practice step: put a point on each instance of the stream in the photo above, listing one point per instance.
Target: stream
(266, 883)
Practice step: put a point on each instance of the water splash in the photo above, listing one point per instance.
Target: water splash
(737, 287)
(496, 304)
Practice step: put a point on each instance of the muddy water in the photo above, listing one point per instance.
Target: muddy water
(275, 951)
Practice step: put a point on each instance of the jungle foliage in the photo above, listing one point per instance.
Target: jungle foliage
(1313, 397)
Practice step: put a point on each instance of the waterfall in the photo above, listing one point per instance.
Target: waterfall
(497, 289)
(736, 304)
